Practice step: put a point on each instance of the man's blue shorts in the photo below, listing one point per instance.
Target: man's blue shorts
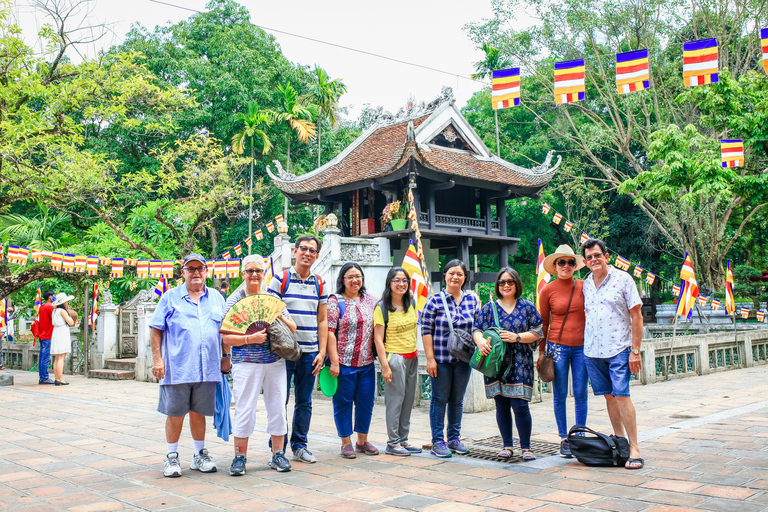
(610, 375)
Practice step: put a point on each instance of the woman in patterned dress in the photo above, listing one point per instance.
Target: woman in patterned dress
(350, 350)
(512, 388)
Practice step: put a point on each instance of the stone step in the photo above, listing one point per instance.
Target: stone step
(112, 374)
(128, 363)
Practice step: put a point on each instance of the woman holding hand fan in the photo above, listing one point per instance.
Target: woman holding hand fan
(256, 367)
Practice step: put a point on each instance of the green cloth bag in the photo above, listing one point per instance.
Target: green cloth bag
(490, 365)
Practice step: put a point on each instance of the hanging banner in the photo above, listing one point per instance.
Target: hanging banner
(568, 226)
(638, 272)
(715, 304)
(632, 71)
(700, 62)
(650, 277)
(505, 88)
(622, 262)
(732, 152)
(557, 218)
(569, 81)
(545, 208)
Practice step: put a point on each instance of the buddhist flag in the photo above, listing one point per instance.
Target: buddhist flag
(730, 303)
(238, 249)
(545, 208)
(38, 300)
(675, 290)
(167, 269)
(131, 262)
(568, 226)
(117, 267)
(3, 312)
(46, 254)
(105, 261)
(12, 253)
(700, 62)
(37, 256)
(270, 227)
(715, 304)
(690, 288)
(57, 260)
(764, 45)
(650, 277)
(155, 268)
(259, 235)
(142, 269)
(542, 276)
(744, 313)
(81, 262)
(632, 71)
(268, 270)
(94, 307)
(219, 269)
(505, 88)
(2, 252)
(732, 152)
(622, 262)
(412, 265)
(161, 287)
(92, 265)
(569, 81)
(584, 238)
(279, 218)
(557, 218)
(233, 269)
(760, 315)
(249, 242)
(68, 264)
(703, 299)
(226, 255)
(22, 254)
(638, 272)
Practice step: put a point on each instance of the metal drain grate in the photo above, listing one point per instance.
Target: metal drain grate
(489, 448)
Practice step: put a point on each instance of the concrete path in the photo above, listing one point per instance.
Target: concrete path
(99, 445)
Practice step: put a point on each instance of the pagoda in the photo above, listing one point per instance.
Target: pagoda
(454, 177)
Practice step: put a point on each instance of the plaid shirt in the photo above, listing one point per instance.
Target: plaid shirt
(434, 322)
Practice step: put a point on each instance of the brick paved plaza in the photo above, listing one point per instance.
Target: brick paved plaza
(99, 445)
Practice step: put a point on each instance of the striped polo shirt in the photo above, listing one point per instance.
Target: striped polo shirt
(302, 300)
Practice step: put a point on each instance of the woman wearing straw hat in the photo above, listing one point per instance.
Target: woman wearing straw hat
(63, 318)
(562, 310)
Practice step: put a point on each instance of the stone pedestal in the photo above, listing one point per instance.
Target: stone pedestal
(106, 333)
(143, 346)
(474, 398)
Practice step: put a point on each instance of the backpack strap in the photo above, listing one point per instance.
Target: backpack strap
(319, 287)
(285, 283)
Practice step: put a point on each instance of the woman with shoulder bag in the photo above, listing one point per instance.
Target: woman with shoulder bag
(562, 309)
(512, 388)
(350, 350)
(395, 321)
(453, 309)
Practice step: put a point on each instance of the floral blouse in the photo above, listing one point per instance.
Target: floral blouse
(354, 331)
(516, 377)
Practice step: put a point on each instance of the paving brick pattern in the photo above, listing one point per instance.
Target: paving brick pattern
(98, 446)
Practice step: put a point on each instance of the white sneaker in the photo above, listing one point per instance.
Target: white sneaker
(304, 455)
(203, 463)
(172, 466)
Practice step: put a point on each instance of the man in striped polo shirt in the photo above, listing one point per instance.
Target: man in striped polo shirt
(306, 299)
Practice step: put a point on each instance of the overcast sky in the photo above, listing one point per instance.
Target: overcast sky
(424, 32)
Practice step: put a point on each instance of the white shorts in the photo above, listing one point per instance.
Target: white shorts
(248, 379)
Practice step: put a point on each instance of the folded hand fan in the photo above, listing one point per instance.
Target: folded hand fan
(251, 314)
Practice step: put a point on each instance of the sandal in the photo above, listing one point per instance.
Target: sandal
(2, 367)
(634, 464)
(506, 453)
(528, 455)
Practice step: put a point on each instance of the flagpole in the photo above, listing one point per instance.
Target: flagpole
(666, 364)
(498, 146)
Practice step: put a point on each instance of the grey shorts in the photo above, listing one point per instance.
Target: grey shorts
(179, 399)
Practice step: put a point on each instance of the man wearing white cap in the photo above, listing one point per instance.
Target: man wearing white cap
(188, 360)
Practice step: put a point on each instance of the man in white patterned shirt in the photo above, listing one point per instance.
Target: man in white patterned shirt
(612, 336)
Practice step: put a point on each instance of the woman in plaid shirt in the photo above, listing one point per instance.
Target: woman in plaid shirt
(449, 375)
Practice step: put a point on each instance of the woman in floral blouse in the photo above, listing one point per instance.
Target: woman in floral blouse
(512, 388)
(350, 350)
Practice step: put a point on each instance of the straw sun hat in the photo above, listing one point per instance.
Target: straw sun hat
(61, 298)
(564, 251)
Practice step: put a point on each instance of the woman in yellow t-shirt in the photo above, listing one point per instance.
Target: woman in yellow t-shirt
(394, 321)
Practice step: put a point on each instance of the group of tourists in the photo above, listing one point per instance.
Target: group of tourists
(592, 329)
(53, 323)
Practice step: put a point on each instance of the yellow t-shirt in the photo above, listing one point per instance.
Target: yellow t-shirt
(401, 330)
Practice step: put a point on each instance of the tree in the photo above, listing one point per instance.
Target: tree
(325, 94)
(41, 232)
(251, 121)
(297, 113)
(493, 61)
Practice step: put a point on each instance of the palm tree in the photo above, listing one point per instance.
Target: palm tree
(37, 232)
(251, 122)
(493, 61)
(326, 93)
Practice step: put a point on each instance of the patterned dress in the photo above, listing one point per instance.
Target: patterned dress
(516, 377)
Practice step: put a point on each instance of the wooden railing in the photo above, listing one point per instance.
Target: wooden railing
(459, 224)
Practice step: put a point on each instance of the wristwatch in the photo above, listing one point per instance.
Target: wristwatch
(227, 355)
(636, 351)
(518, 337)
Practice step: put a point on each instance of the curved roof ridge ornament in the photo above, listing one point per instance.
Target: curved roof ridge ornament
(545, 168)
(409, 114)
(282, 174)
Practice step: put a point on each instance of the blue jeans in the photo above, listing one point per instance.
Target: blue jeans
(448, 390)
(304, 383)
(566, 358)
(504, 408)
(356, 386)
(44, 359)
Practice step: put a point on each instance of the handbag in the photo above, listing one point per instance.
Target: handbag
(597, 449)
(460, 343)
(282, 342)
(490, 365)
(547, 366)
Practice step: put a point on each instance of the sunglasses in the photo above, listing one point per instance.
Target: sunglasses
(506, 282)
(590, 257)
(310, 250)
(252, 271)
(195, 270)
(562, 263)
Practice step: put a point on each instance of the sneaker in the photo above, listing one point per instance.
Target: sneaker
(172, 467)
(304, 455)
(565, 449)
(397, 450)
(279, 463)
(366, 448)
(203, 463)
(49, 381)
(440, 450)
(411, 448)
(238, 465)
(348, 452)
(457, 446)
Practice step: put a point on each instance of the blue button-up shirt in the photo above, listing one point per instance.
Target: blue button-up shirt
(608, 329)
(434, 322)
(191, 344)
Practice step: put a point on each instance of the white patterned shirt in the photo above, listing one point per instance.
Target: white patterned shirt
(608, 330)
